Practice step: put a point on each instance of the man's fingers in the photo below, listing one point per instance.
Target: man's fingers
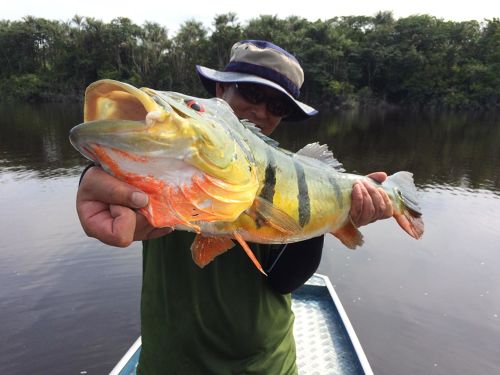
(362, 209)
(356, 202)
(113, 225)
(389, 210)
(384, 210)
(368, 211)
(97, 185)
(123, 225)
(378, 204)
(369, 203)
(378, 176)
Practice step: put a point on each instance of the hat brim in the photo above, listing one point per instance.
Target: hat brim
(209, 77)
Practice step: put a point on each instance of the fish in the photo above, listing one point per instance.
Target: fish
(206, 171)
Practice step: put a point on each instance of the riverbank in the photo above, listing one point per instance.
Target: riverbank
(348, 61)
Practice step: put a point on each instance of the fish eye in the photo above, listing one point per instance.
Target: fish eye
(194, 105)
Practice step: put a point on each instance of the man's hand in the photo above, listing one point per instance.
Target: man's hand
(368, 203)
(106, 209)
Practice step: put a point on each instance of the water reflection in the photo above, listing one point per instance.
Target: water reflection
(34, 139)
(457, 149)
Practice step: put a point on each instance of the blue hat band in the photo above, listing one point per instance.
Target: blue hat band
(266, 73)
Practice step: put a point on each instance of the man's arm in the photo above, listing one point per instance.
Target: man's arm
(106, 209)
(293, 264)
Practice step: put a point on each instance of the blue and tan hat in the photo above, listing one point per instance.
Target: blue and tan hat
(263, 63)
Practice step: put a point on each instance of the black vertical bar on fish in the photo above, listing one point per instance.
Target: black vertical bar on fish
(336, 188)
(303, 196)
(268, 189)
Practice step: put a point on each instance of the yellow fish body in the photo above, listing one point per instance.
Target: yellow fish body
(206, 171)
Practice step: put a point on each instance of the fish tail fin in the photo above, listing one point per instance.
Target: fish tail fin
(407, 211)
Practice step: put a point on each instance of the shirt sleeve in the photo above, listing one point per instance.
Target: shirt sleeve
(291, 265)
(85, 171)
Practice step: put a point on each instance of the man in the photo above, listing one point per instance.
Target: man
(226, 318)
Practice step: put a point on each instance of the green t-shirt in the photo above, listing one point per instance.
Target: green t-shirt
(222, 319)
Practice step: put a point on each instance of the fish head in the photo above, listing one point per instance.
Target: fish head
(188, 154)
(125, 126)
(146, 123)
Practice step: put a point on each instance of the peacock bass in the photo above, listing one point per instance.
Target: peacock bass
(206, 171)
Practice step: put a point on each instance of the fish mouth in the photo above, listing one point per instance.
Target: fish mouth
(140, 121)
(104, 133)
(112, 100)
(112, 111)
(89, 153)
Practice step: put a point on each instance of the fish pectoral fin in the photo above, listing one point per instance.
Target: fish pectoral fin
(349, 235)
(205, 249)
(275, 217)
(249, 252)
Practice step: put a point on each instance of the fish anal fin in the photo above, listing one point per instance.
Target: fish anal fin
(249, 252)
(349, 235)
(275, 217)
(205, 249)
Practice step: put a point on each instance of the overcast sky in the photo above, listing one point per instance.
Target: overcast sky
(171, 13)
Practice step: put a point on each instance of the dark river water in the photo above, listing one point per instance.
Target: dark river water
(70, 305)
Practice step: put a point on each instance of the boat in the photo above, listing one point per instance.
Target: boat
(326, 341)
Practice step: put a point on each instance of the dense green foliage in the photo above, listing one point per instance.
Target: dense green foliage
(414, 61)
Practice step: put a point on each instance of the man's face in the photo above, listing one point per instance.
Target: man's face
(244, 109)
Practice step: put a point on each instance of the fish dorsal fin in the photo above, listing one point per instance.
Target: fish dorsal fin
(321, 153)
(256, 130)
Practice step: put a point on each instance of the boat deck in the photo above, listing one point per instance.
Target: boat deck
(326, 342)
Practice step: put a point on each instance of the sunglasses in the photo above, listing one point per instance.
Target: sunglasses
(277, 105)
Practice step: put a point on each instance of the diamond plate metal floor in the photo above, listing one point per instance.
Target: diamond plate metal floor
(323, 344)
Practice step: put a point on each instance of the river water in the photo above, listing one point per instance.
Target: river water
(70, 305)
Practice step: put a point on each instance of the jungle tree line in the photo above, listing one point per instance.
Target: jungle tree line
(419, 60)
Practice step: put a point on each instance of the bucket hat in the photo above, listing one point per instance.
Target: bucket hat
(263, 63)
